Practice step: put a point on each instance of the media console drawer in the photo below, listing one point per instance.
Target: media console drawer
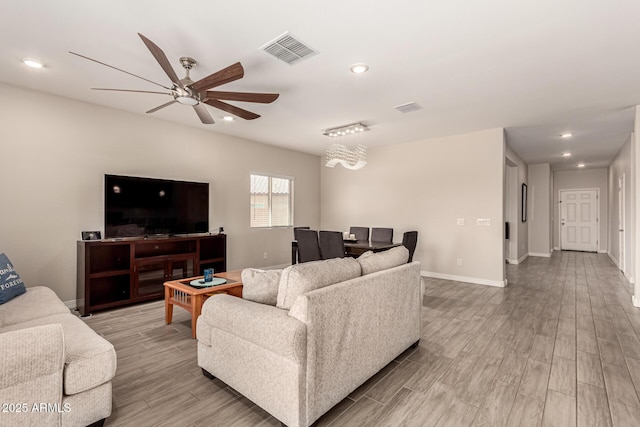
(161, 247)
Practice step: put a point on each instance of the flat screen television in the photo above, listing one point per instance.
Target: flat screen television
(137, 207)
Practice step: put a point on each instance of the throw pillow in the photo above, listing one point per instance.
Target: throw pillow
(11, 285)
(261, 285)
(383, 260)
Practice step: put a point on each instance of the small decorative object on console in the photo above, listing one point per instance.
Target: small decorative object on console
(91, 235)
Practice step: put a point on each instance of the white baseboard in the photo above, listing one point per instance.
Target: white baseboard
(556, 248)
(71, 304)
(635, 301)
(615, 261)
(466, 279)
(540, 254)
(600, 251)
(517, 261)
(626, 275)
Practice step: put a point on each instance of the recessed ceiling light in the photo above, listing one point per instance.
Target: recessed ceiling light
(566, 135)
(566, 154)
(580, 165)
(30, 62)
(359, 68)
(227, 118)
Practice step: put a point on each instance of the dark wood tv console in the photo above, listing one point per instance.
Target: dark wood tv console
(117, 272)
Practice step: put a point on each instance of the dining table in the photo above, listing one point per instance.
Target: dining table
(353, 248)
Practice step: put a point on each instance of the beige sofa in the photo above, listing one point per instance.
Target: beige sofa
(336, 323)
(54, 369)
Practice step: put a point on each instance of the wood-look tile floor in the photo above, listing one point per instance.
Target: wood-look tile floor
(558, 347)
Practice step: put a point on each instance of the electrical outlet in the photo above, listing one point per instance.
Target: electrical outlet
(459, 262)
(264, 255)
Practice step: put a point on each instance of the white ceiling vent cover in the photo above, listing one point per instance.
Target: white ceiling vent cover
(289, 49)
(408, 107)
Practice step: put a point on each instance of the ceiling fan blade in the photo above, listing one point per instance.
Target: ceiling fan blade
(162, 60)
(204, 115)
(226, 75)
(247, 115)
(264, 98)
(115, 68)
(130, 90)
(153, 110)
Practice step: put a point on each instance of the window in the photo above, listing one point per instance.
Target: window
(271, 201)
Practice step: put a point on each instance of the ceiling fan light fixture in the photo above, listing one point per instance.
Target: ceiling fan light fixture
(187, 100)
(566, 135)
(33, 63)
(227, 118)
(567, 154)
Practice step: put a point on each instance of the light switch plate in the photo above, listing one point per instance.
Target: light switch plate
(460, 221)
(483, 222)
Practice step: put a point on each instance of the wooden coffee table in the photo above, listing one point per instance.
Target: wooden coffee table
(180, 293)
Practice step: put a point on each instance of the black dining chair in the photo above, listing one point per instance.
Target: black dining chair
(382, 235)
(308, 246)
(361, 233)
(295, 231)
(331, 244)
(409, 241)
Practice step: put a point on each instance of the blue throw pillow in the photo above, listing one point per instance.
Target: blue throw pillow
(11, 285)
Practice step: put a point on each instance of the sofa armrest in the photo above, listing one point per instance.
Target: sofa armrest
(31, 366)
(30, 353)
(263, 325)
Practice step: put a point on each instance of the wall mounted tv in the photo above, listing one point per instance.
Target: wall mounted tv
(137, 207)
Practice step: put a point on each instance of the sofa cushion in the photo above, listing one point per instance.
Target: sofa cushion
(308, 276)
(37, 302)
(90, 360)
(261, 285)
(372, 262)
(11, 285)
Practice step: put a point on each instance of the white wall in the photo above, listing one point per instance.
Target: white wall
(425, 186)
(578, 179)
(539, 206)
(55, 153)
(522, 232)
(620, 166)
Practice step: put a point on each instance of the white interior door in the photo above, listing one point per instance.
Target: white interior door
(579, 220)
(621, 220)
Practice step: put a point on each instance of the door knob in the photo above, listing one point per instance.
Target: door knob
(620, 229)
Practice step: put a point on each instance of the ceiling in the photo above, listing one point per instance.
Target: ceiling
(537, 69)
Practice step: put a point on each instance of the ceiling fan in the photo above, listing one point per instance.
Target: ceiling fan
(187, 92)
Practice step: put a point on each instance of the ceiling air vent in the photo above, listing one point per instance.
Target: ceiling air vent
(289, 49)
(408, 107)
